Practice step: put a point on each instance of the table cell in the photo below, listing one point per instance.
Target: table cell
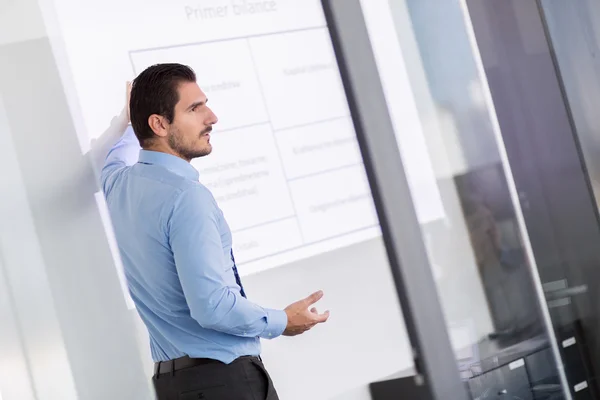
(245, 175)
(266, 240)
(299, 76)
(225, 73)
(333, 203)
(318, 148)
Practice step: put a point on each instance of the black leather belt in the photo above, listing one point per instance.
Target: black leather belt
(169, 367)
(164, 367)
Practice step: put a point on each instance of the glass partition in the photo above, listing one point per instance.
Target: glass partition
(486, 278)
(485, 252)
(519, 43)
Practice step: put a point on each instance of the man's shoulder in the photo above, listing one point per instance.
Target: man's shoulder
(110, 175)
(159, 175)
(193, 204)
(196, 193)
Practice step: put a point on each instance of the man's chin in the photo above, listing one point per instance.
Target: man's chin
(204, 152)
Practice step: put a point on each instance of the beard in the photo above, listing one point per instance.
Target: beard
(184, 149)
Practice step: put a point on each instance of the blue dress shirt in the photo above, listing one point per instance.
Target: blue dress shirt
(177, 254)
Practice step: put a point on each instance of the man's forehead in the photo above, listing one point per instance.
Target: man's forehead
(191, 92)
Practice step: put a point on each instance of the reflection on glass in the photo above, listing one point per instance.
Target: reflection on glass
(477, 253)
(574, 31)
(499, 255)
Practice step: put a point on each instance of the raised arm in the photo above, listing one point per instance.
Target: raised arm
(123, 154)
(117, 148)
(102, 145)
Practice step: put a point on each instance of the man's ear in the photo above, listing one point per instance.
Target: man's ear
(158, 124)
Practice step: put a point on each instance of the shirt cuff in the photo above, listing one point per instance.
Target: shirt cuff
(276, 323)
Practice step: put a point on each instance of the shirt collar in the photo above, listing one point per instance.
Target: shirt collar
(173, 163)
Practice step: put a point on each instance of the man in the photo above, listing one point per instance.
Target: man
(176, 248)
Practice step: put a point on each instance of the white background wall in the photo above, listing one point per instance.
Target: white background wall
(365, 339)
(62, 294)
(28, 26)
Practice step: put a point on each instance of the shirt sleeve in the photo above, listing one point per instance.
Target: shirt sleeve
(123, 154)
(200, 261)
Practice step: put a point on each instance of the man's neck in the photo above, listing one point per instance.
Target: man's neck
(162, 148)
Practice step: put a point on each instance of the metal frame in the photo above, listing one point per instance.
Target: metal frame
(434, 359)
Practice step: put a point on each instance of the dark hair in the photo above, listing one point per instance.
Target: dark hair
(154, 91)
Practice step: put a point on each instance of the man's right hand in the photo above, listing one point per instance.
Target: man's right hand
(301, 319)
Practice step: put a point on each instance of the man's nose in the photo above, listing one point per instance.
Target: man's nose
(212, 118)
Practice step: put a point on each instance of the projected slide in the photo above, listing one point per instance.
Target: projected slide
(286, 167)
(286, 158)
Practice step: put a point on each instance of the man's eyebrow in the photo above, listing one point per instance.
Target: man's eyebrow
(197, 103)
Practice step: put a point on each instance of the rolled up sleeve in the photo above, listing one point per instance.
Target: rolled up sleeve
(123, 154)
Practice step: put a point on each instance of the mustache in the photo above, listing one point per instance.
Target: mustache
(207, 130)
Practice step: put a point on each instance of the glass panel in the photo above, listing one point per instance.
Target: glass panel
(487, 284)
(554, 192)
(574, 32)
(573, 29)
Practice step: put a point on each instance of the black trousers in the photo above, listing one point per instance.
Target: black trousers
(244, 379)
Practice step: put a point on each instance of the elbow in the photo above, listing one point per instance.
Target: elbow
(207, 321)
(214, 312)
(204, 316)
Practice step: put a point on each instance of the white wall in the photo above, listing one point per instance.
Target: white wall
(27, 26)
(365, 339)
(57, 268)
(31, 336)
